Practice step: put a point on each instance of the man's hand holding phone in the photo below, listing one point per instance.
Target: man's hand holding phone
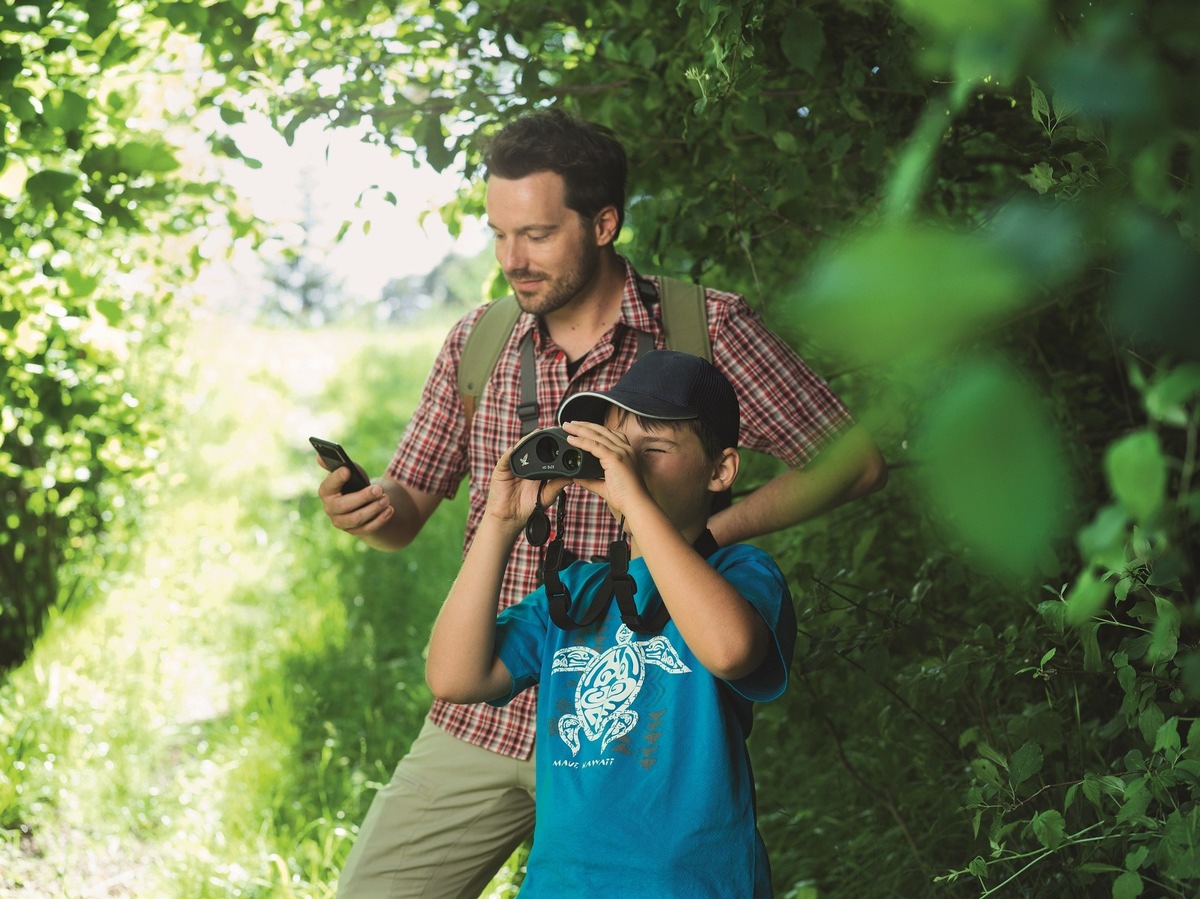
(352, 503)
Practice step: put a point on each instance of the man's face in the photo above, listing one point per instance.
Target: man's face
(673, 466)
(547, 252)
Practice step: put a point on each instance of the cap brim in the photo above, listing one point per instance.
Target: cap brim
(590, 406)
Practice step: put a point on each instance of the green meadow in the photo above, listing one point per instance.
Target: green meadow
(214, 721)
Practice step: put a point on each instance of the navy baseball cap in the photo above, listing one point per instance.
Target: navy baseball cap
(666, 385)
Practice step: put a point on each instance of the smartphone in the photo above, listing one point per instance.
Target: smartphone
(335, 457)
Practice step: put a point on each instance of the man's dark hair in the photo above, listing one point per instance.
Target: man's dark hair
(588, 156)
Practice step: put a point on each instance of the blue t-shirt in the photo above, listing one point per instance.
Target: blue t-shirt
(644, 785)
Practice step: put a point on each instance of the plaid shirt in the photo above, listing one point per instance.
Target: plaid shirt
(786, 411)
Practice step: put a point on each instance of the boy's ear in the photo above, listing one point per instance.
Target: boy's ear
(725, 470)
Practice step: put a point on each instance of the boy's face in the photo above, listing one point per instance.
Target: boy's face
(673, 465)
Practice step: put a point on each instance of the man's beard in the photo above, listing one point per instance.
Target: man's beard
(554, 293)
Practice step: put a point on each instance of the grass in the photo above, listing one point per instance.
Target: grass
(215, 723)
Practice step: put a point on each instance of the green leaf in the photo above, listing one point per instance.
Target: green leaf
(1097, 868)
(1038, 104)
(1025, 762)
(1166, 739)
(1054, 613)
(986, 771)
(1149, 722)
(785, 142)
(1040, 177)
(138, 156)
(1103, 540)
(905, 291)
(993, 470)
(643, 53)
(67, 110)
(1136, 858)
(803, 40)
(989, 753)
(81, 285)
(1167, 399)
(23, 104)
(1164, 636)
(50, 184)
(1137, 473)
(1049, 828)
(954, 17)
(1086, 597)
(111, 310)
(1127, 886)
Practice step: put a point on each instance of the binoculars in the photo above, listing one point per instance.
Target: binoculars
(545, 454)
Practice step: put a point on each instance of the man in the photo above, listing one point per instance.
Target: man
(462, 799)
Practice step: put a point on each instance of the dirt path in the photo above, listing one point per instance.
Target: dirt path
(131, 705)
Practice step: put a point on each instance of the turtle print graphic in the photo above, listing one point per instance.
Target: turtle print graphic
(610, 682)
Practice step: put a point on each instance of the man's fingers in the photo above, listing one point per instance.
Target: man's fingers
(333, 482)
(372, 522)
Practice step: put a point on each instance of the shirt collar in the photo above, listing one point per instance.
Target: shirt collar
(634, 312)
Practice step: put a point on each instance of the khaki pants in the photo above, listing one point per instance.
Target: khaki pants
(450, 817)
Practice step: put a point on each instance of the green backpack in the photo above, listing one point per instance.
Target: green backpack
(685, 326)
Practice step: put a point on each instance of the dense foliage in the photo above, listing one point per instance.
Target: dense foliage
(978, 218)
(103, 202)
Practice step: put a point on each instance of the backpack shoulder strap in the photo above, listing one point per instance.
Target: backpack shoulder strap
(482, 350)
(685, 317)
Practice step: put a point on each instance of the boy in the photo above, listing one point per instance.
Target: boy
(643, 778)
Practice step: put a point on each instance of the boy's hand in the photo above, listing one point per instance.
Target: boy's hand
(511, 499)
(622, 482)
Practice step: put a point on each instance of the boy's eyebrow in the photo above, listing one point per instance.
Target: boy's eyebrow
(661, 438)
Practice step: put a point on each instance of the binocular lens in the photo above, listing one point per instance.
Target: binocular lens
(546, 454)
(547, 449)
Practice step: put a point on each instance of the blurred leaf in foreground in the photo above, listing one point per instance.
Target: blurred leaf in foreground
(993, 469)
(1155, 298)
(905, 290)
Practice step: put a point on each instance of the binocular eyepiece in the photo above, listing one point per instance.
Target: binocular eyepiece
(545, 454)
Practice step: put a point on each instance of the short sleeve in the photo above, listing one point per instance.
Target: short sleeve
(756, 576)
(520, 643)
(432, 456)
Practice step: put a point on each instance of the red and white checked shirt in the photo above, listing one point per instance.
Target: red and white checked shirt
(786, 411)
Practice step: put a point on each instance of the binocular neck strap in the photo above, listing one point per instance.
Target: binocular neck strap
(619, 584)
(558, 597)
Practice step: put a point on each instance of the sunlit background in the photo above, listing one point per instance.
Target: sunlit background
(359, 217)
(978, 220)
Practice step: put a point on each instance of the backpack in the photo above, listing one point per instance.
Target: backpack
(684, 321)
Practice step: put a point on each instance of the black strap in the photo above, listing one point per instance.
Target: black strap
(528, 410)
(648, 294)
(622, 587)
(557, 594)
(619, 584)
(645, 343)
